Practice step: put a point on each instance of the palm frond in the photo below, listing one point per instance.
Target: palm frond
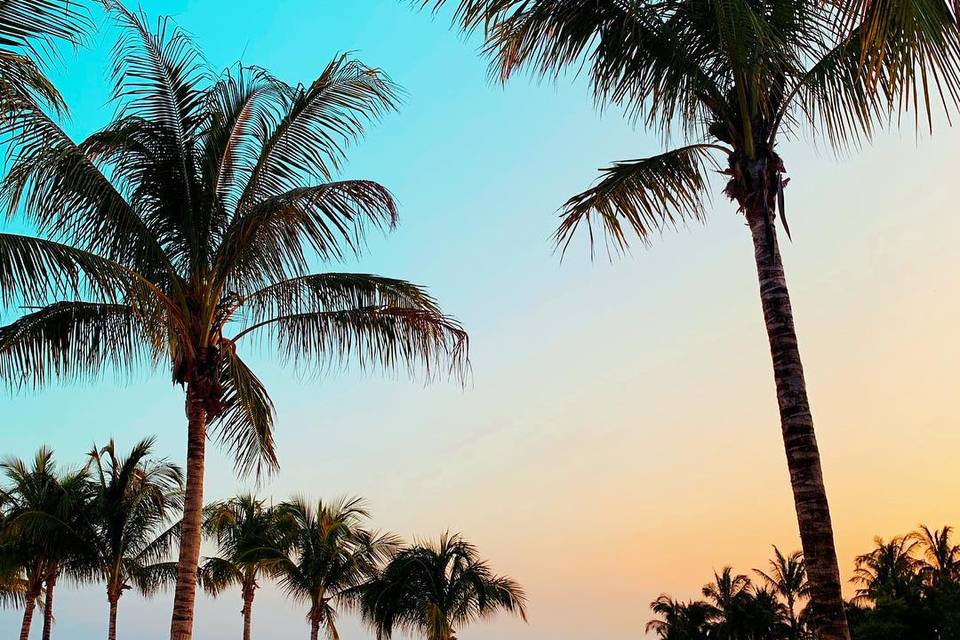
(648, 195)
(246, 425)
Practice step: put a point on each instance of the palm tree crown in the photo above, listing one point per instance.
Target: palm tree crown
(436, 590)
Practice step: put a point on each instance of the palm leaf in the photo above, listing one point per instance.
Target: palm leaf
(246, 425)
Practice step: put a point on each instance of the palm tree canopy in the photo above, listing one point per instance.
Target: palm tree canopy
(941, 557)
(436, 589)
(132, 517)
(890, 569)
(786, 575)
(189, 226)
(251, 538)
(730, 76)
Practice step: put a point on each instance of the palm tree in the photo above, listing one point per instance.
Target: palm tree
(43, 509)
(734, 78)
(201, 207)
(331, 555)
(436, 590)
(29, 32)
(941, 557)
(890, 569)
(251, 541)
(787, 578)
(131, 521)
(679, 620)
(724, 596)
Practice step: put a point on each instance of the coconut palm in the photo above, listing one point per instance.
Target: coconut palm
(435, 590)
(44, 507)
(251, 541)
(131, 521)
(788, 580)
(725, 595)
(185, 231)
(679, 620)
(940, 556)
(331, 555)
(30, 31)
(734, 79)
(890, 569)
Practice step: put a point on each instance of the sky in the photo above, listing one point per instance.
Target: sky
(618, 437)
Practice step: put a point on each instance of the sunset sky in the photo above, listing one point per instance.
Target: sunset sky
(618, 437)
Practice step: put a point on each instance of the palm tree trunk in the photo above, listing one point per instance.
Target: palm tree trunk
(181, 626)
(48, 609)
(247, 612)
(796, 421)
(112, 625)
(314, 628)
(29, 607)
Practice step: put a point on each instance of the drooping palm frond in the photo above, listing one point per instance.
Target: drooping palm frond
(649, 195)
(246, 425)
(29, 24)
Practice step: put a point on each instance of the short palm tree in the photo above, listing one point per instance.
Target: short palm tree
(187, 229)
(331, 556)
(787, 578)
(891, 569)
(724, 594)
(940, 556)
(131, 521)
(29, 32)
(679, 620)
(435, 590)
(44, 507)
(735, 78)
(250, 537)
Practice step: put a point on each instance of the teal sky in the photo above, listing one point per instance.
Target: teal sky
(618, 437)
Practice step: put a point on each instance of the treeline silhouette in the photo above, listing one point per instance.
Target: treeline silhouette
(115, 522)
(907, 588)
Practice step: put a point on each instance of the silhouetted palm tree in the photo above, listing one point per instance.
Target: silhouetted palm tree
(131, 521)
(680, 620)
(890, 569)
(250, 538)
(331, 555)
(434, 590)
(187, 228)
(941, 557)
(734, 78)
(788, 580)
(44, 507)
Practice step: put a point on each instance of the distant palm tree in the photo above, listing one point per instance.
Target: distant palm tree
(436, 590)
(787, 578)
(890, 569)
(331, 555)
(679, 620)
(251, 540)
(734, 78)
(187, 228)
(43, 509)
(131, 521)
(725, 595)
(941, 557)
(29, 33)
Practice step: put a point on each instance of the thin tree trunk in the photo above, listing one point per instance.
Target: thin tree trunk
(181, 626)
(247, 612)
(112, 625)
(314, 628)
(803, 456)
(30, 606)
(51, 584)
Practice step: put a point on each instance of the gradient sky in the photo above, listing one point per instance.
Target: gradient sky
(619, 437)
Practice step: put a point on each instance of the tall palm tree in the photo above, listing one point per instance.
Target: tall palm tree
(890, 569)
(43, 509)
(250, 536)
(787, 578)
(331, 555)
(131, 521)
(186, 230)
(941, 557)
(436, 590)
(734, 78)
(679, 620)
(30, 31)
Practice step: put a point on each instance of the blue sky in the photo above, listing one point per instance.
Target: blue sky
(597, 453)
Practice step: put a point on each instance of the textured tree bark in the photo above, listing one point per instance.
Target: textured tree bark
(29, 606)
(803, 455)
(248, 594)
(51, 584)
(181, 626)
(314, 628)
(112, 626)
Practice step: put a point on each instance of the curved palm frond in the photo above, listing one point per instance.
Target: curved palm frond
(246, 424)
(648, 194)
